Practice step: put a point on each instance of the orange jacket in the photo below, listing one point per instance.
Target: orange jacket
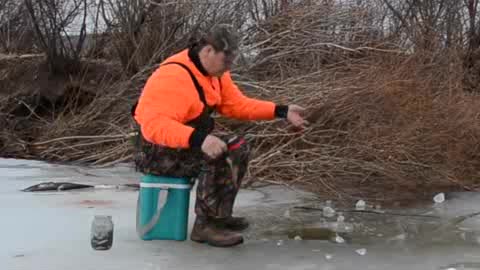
(169, 100)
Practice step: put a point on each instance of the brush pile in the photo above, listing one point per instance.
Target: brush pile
(386, 123)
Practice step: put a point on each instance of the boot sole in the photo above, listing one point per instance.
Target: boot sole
(238, 229)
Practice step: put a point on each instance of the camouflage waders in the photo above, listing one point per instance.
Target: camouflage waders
(219, 179)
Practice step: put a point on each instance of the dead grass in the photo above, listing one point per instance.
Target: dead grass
(386, 125)
(390, 131)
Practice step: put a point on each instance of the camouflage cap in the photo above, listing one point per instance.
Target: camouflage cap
(223, 37)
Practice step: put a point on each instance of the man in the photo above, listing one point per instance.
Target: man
(173, 113)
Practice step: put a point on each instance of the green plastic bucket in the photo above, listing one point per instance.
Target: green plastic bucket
(162, 208)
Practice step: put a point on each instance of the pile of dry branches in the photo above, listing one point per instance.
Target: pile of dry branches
(389, 126)
(386, 122)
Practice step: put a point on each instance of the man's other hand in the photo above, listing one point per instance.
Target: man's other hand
(294, 116)
(213, 146)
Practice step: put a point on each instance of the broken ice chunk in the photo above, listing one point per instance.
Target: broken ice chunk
(287, 214)
(400, 237)
(328, 211)
(280, 242)
(328, 256)
(340, 218)
(360, 205)
(339, 239)
(297, 237)
(439, 198)
(361, 251)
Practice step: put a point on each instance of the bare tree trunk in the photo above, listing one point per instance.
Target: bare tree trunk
(51, 19)
(473, 36)
(284, 5)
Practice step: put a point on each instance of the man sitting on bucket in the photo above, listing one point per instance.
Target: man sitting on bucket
(176, 140)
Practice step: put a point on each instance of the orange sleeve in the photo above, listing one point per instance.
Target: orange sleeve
(236, 105)
(164, 105)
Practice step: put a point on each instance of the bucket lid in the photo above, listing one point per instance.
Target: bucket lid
(165, 186)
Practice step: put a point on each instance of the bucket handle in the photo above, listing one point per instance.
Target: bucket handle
(142, 230)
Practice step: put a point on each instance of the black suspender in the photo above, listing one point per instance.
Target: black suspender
(199, 88)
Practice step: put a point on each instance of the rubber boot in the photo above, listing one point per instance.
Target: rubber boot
(205, 231)
(232, 223)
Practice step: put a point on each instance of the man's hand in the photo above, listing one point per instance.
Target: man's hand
(294, 116)
(213, 146)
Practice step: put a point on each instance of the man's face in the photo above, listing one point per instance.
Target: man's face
(220, 61)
